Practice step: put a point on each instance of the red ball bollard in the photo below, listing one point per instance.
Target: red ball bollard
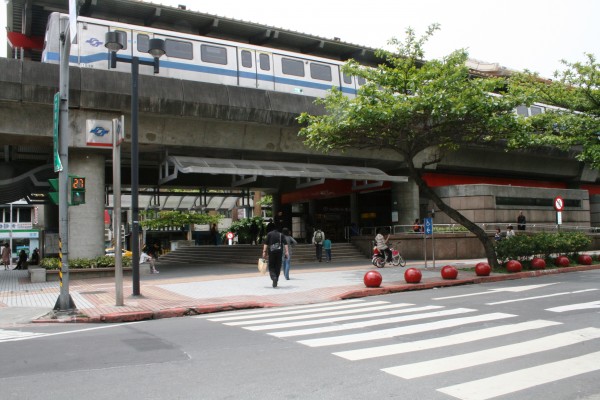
(483, 269)
(412, 275)
(449, 272)
(372, 279)
(584, 259)
(562, 261)
(538, 263)
(514, 266)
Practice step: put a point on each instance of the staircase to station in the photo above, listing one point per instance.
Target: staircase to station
(249, 254)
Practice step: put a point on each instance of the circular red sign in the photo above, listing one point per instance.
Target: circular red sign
(559, 203)
(229, 235)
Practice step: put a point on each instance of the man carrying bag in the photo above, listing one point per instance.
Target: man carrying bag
(276, 247)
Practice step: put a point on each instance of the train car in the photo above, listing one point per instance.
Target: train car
(200, 58)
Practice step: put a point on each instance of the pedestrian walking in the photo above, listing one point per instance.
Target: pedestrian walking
(317, 240)
(327, 248)
(276, 248)
(291, 242)
(6, 256)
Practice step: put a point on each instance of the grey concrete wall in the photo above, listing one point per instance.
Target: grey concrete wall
(478, 203)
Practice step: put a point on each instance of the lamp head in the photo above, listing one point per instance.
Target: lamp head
(156, 48)
(115, 40)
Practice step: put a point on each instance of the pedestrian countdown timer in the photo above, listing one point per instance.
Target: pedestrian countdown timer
(77, 190)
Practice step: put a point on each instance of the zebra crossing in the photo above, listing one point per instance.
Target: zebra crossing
(342, 324)
(7, 335)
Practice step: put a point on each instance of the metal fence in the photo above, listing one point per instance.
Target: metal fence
(489, 227)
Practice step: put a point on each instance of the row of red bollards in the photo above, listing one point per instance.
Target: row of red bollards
(373, 278)
(413, 275)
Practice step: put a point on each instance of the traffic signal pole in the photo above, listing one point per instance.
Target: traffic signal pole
(65, 302)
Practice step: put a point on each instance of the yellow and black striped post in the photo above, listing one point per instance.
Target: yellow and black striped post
(60, 263)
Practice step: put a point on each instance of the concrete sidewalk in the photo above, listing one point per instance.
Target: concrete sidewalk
(195, 289)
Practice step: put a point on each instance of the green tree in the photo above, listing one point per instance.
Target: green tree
(421, 109)
(575, 124)
(173, 218)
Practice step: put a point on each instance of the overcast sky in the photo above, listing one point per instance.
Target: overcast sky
(517, 34)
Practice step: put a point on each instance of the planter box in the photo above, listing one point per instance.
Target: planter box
(37, 275)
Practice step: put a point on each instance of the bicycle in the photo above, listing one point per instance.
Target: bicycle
(379, 258)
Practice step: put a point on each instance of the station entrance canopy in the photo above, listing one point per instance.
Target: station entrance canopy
(248, 170)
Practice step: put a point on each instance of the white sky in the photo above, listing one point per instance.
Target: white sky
(517, 34)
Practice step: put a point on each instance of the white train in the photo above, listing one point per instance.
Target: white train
(200, 58)
(205, 59)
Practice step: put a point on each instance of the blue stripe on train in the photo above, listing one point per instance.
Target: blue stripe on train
(53, 56)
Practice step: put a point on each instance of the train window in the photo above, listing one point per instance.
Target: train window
(320, 72)
(246, 59)
(213, 54)
(522, 110)
(535, 110)
(292, 67)
(143, 43)
(347, 79)
(265, 62)
(361, 81)
(179, 49)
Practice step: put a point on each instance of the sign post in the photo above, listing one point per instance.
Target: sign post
(559, 205)
(429, 231)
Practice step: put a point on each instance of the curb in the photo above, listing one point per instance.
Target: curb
(353, 294)
(134, 316)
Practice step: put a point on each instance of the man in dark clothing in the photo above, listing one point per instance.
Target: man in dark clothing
(276, 247)
(521, 221)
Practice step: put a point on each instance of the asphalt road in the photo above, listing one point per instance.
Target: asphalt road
(526, 339)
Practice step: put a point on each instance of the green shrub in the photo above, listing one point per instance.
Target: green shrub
(49, 263)
(84, 263)
(243, 228)
(523, 247)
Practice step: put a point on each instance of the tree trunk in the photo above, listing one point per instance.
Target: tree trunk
(486, 241)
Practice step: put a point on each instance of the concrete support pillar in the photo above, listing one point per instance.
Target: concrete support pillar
(86, 221)
(354, 211)
(405, 200)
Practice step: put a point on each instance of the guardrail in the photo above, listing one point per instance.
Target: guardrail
(489, 227)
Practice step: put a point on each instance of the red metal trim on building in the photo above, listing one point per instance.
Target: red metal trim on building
(436, 180)
(18, 40)
(335, 188)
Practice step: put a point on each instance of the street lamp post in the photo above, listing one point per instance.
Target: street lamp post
(115, 41)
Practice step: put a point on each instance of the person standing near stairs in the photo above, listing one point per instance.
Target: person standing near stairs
(327, 248)
(317, 240)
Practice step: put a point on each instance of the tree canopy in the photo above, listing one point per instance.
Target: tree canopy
(574, 122)
(409, 104)
(165, 219)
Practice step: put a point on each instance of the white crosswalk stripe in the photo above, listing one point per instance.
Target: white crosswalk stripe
(362, 322)
(459, 338)
(338, 319)
(375, 322)
(11, 336)
(325, 314)
(573, 307)
(498, 385)
(446, 364)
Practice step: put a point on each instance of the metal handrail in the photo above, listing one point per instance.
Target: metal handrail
(489, 227)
